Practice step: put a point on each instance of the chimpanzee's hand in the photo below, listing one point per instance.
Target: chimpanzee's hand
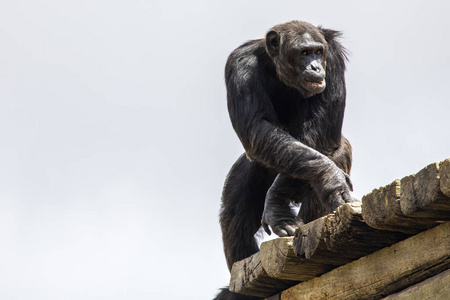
(335, 189)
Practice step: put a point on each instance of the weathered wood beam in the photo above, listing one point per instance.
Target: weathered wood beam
(280, 260)
(324, 244)
(406, 206)
(444, 172)
(434, 288)
(248, 277)
(412, 204)
(381, 273)
(319, 247)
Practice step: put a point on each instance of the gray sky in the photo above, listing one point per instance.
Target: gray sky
(115, 137)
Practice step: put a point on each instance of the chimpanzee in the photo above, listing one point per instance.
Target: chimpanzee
(286, 100)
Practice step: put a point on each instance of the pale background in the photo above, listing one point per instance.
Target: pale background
(115, 138)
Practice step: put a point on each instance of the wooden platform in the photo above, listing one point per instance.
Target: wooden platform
(396, 238)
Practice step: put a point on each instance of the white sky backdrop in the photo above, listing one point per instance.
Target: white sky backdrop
(115, 139)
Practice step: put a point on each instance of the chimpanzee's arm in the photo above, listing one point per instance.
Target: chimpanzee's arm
(277, 149)
(267, 143)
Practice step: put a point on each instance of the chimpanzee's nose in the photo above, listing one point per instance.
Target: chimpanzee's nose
(315, 67)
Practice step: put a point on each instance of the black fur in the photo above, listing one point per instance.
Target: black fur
(286, 99)
(225, 294)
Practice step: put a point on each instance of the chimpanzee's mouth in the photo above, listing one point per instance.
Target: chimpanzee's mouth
(315, 86)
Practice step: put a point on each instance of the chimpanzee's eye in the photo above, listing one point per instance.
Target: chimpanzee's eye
(319, 51)
(304, 52)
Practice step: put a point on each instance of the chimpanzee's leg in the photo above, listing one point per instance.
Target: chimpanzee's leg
(342, 157)
(242, 206)
(310, 210)
(277, 212)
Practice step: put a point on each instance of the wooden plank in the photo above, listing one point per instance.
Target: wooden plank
(280, 261)
(421, 196)
(379, 207)
(324, 244)
(434, 288)
(319, 247)
(384, 272)
(406, 206)
(410, 205)
(381, 210)
(444, 172)
(248, 277)
(348, 236)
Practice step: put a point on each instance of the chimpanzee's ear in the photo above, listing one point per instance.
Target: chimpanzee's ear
(273, 43)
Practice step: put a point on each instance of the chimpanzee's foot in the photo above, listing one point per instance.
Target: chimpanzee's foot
(280, 218)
